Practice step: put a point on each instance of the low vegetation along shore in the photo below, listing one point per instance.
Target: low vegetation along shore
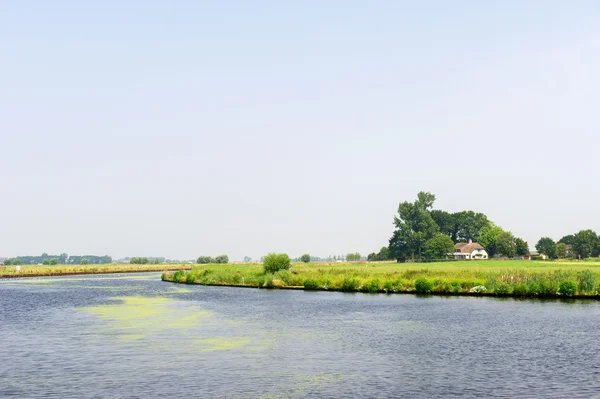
(490, 277)
(59, 270)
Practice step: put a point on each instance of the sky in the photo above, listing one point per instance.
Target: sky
(187, 128)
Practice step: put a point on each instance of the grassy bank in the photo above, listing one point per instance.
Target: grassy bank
(59, 270)
(491, 277)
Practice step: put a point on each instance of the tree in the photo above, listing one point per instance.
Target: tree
(414, 224)
(439, 247)
(561, 250)
(54, 261)
(305, 258)
(447, 223)
(84, 261)
(353, 257)
(222, 259)
(46, 262)
(274, 262)
(522, 247)
(372, 257)
(204, 260)
(384, 254)
(547, 246)
(7, 262)
(586, 244)
(505, 244)
(16, 262)
(568, 239)
(247, 259)
(469, 225)
(489, 238)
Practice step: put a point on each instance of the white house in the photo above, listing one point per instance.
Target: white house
(469, 250)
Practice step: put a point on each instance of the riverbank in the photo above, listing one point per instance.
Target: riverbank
(69, 270)
(471, 278)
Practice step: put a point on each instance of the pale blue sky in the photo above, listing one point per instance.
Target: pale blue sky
(207, 127)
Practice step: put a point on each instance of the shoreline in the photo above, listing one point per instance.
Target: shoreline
(78, 273)
(382, 291)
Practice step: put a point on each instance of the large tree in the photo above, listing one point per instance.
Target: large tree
(561, 250)
(568, 239)
(470, 225)
(439, 247)
(505, 244)
(547, 246)
(522, 247)
(415, 224)
(489, 237)
(586, 244)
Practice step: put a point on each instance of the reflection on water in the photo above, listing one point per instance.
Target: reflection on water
(132, 336)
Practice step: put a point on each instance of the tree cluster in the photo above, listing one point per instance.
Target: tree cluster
(581, 245)
(353, 257)
(383, 254)
(420, 232)
(221, 259)
(62, 259)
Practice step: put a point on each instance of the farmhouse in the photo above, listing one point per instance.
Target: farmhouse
(469, 250)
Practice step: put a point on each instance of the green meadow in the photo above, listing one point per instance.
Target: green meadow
(486, 277)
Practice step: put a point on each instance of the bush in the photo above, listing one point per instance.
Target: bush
(372, 286)
(587, 281)
(567, 288)
(84, 261)
(268, 281)
(190, 279)
(502, 288)
(349, 285)
(520, 289)
(305, 258)
(274, 262)
(533, 288)
(285, 276)
(310, 285)
(54, 261)
(423, 285)
(179, 276)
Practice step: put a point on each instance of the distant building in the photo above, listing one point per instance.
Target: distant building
(469, 250)
(534, 255)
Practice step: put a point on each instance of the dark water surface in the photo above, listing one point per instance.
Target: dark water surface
(133, 336)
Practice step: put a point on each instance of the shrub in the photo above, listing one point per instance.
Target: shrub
(502, 288)
(305, 258)
(372, 286)
(274, 262)
(587, 281)
(179, 276)
(84, 261)
(284, 275)
(520, 289)
(349, 285)
(190, 278)
(567, 288)
(533, 288)
(268, 281)
(423, 285)
(310, 285)
(548, 288)
(388, 286)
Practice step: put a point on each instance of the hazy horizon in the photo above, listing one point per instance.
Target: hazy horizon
(206, 128)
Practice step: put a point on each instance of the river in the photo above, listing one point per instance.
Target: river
(134, 336)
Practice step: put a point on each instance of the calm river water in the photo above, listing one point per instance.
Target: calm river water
(133, 336)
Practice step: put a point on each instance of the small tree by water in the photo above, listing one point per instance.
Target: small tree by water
(274, 262)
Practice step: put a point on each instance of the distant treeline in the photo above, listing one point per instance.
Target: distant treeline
(424, 233)
(62, 259)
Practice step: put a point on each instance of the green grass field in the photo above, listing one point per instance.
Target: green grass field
(497, 277)
(57, 270)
